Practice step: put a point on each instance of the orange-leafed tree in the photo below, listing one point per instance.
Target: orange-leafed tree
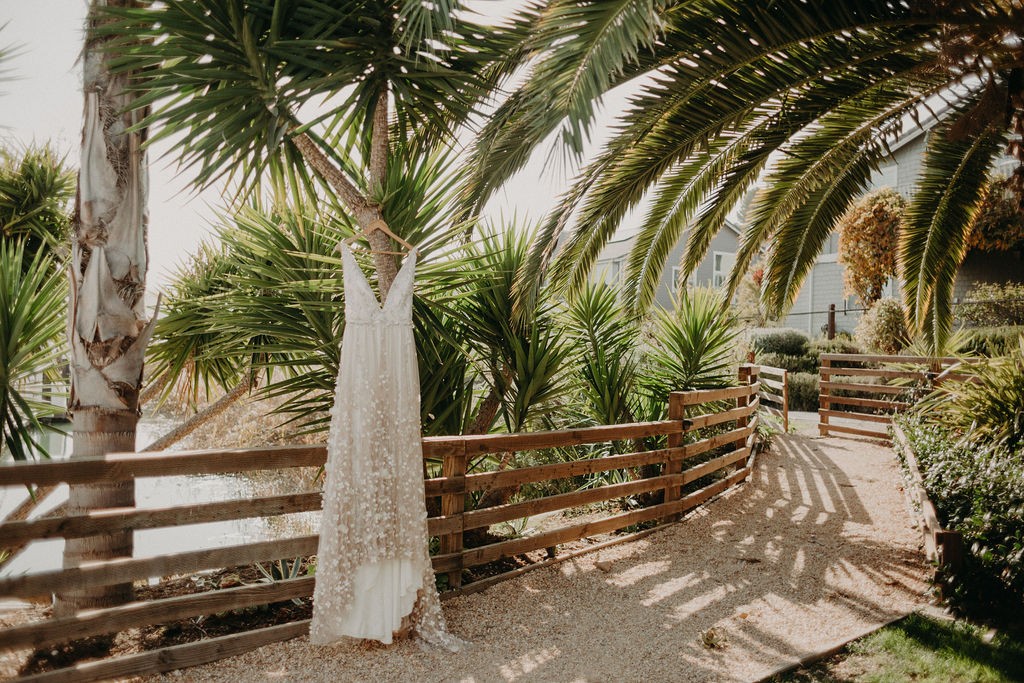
(869, 235)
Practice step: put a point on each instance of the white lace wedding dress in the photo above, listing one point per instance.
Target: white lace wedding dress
(373, 564)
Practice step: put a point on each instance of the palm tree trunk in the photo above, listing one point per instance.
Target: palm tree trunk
(363, 210)
(107, 328)
(202, 417)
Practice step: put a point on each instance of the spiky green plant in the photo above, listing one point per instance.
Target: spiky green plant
(987, 405)
(691, 345)
(332, 91)
(521, 355)
(35, 188)
(32, 325)
(607, 354)
(185, 347)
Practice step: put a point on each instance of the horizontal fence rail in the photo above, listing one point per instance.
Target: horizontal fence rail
(869, 389)
(705, 447)
(775, 393)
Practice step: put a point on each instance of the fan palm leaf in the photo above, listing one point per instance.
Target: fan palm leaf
(240, 78)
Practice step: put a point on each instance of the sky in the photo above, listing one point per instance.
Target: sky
(44, 104)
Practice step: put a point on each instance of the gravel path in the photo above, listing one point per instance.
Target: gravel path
(815, 549)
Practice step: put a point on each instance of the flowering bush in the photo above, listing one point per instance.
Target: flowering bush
(999, 225)
(883, 329)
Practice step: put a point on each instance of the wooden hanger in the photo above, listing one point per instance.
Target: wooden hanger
(378, 224)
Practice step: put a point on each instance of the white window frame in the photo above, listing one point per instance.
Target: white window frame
(718, 277)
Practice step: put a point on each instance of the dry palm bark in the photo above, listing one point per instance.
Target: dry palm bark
(367, 213)
(107, 325)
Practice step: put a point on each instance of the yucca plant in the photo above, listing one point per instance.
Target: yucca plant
(325, 90)
(987, 405)
(185, 347)
(35, 190)
(35, 187)
(521, 355)
(691, 345)
(32, 345)
(606, 364)
(269, 299)
(606, 355)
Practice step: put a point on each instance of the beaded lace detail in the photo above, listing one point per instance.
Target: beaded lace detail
(374, 520)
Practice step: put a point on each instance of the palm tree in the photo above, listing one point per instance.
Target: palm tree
(293, 85)
(108, 329)
(801, 95)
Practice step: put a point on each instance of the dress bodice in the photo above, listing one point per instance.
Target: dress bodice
(361, 305)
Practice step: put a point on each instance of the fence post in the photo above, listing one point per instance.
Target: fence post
(824, 404)
(748, 375)
(674, 464)
(831, 321)
(785, 401)
(453, 467)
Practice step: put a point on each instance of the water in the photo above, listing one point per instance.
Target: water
(155, 492)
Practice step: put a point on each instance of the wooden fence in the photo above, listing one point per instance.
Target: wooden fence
(708, 447)
(775, 393)
(870, 389)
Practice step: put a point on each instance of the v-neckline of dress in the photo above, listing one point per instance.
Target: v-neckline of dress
(381, 307)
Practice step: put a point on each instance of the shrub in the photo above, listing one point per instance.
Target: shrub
(837, 345)
(978, 489)
(991, 341)
(803, 391)
(806, 363)
(785, 342)
(999, 225)
(883, 328)
(992, 304)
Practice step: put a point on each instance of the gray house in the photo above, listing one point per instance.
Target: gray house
(824, 284)
(712, 271)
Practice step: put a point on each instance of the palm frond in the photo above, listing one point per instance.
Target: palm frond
(933, 241)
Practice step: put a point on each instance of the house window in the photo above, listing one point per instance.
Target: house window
(616, 271)
(723, 261)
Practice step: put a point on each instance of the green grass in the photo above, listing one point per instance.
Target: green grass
(919, 648)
